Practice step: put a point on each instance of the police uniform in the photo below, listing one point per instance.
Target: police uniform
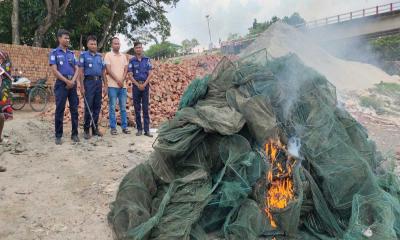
(140, 70)
(93, 66)
(66, 63)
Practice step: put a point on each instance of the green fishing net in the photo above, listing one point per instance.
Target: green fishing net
(207, 174)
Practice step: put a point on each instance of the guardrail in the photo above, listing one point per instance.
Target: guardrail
(373, 11)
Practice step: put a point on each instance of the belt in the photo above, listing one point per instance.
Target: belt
(93, 77)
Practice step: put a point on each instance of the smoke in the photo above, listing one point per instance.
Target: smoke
(294, 146)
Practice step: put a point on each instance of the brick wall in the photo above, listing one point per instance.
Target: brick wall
(32, 61)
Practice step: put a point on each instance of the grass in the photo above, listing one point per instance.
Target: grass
(372, 102)
(388, 89)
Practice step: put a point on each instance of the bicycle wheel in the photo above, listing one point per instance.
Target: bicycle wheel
(38, 99)
(18, 101)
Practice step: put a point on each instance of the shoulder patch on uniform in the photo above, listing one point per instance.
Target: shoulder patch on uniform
(53, 58)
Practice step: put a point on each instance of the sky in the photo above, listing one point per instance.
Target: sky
(236, 16)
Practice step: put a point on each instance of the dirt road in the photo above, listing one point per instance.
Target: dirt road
(61, 192)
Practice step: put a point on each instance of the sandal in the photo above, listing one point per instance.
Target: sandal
(126, 131)
(114, 132)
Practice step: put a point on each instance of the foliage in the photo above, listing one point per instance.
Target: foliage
(391, 90)
(372, 102)
(257, 28)
(189, 45)
(143, 20)
(233, 36)
(387, 47)
(164, 49)
(5, 21)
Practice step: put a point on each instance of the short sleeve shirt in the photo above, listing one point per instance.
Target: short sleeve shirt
(140, 68)
(65, 61)
(92, 63)
(117, 62)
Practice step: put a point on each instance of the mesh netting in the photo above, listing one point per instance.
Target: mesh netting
(207, 173)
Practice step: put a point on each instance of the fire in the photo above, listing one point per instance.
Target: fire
(280, 188)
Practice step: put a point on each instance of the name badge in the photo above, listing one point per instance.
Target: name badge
(90, 65)
(61, 62)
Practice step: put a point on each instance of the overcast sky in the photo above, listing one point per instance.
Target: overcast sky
(236, 16)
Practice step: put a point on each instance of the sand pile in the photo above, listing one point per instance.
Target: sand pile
(281, 39)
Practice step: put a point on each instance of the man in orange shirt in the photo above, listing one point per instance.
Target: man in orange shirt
(117, 68)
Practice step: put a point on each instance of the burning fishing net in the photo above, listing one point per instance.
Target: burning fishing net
(259, 148)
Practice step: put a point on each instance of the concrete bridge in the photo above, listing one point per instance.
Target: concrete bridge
(341, 30)
(365, 23)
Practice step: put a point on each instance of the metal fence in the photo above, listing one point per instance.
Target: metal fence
(373, 11)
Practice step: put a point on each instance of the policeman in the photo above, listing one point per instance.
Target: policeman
(92, 71)
(65, 69)
(140, 72)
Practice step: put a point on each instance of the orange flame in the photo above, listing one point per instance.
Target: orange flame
(280, 188)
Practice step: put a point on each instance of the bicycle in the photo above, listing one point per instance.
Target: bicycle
(37, 96)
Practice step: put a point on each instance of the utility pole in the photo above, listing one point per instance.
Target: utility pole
(209, 32)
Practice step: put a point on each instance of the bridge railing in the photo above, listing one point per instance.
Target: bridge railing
(377, 10)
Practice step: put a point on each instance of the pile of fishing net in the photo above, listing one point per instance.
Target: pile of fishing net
(259, 148)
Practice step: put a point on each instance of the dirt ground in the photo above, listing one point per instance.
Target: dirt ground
(63, 192)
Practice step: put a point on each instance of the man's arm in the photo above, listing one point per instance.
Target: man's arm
(104, 73)
(81, 78)
(133, 80)
(57, 74)
(125, 73)
(76, 74)
(148, 78)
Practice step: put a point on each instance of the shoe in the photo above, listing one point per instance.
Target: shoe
(139, 133)
(126, 131)
(148, 134)
(86, 135)
(114, 131)
(3, 169)
(97, 133)
(75, 139)
(58, 141)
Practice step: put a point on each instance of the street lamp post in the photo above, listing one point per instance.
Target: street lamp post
(209, 32)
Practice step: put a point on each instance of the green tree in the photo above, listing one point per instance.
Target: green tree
(164, 49)
(294, 20)
(257, 28)
(143, 20)
(5, 20)
(233, 36)
(189, 45)
(388, 48)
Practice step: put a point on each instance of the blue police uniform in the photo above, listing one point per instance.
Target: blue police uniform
(93, 66)
(140, 70)
(66, 63)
